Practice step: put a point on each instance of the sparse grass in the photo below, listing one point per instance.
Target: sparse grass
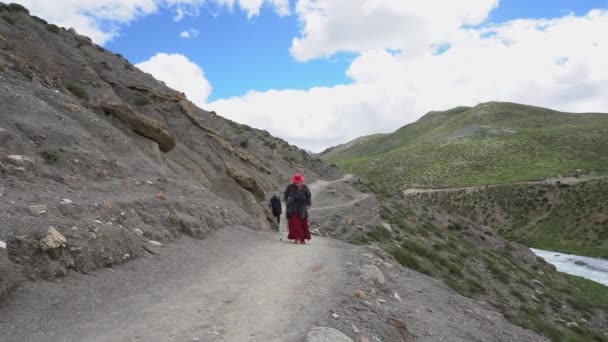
(76, 89)
(379, 233)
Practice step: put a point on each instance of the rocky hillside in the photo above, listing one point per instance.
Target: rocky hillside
(487, 144)
(100, 162)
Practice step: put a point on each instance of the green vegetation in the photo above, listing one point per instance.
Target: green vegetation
(452, 250)
(76, 89)
(51, 157)
(488, 144)
(244, 143)
(569, 219)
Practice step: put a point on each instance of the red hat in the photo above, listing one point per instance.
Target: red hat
(298, 178)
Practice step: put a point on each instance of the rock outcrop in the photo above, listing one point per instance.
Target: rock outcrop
(141, 124)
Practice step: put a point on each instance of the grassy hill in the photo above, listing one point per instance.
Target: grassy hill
(487, 144)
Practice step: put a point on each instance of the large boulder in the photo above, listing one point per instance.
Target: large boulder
(141, 124)
(323, 334)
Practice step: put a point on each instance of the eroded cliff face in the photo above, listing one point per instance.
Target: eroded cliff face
(97, 158)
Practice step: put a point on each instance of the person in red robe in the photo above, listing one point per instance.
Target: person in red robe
(298, 200)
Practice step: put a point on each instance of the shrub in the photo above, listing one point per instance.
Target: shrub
(379, 234)
(51, 157)
(405, 258)
(244, 143)
(76, 89)
(52, 28)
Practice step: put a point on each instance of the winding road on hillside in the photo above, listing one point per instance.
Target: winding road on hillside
(562, 180)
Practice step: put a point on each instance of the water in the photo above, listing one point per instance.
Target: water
(590, 268)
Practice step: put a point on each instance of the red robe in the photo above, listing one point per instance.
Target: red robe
(298, 228)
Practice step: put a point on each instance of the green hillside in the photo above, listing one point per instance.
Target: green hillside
(487, 144)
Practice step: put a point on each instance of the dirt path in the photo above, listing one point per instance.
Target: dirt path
(238, 285)
(564, 180)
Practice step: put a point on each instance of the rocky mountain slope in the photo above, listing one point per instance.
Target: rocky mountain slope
(99, 162)
(490, 143)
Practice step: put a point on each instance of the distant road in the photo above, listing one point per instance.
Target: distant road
(563, 180)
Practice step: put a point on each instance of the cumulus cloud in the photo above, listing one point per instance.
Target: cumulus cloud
(189, 34)
(179, 73)
(329, 26)
(101, 20)
(559, 63)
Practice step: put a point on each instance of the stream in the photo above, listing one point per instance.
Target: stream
(590, 268)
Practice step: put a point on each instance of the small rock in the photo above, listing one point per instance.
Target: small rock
(155, 243)
(381, 301)
(315, 232)
(138, 231)
(387, 227)
(430, 310)
(149, 182)
(572, 325)
(367, 303)
(2, 244)
(37, 209)
(335, 316)
(373, 273)
(361, 295)
(584, 321)
(538, 283)
(66, 201)
(71, 107)
(74, 228)
(52, 240)
(98, 222)
(356, 330)
(196, 339)
(397, 297)
(534, 298)
(19, 160)
(323, 334)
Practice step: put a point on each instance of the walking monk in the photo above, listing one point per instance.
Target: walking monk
(298, 200)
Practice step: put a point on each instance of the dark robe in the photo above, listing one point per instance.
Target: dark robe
(298, 198)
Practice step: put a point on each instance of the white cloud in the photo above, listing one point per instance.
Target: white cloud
(189, 34)
(179, 73)
(329, 26)
(560, 63)
(101, 19)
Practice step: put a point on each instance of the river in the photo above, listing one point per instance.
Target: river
(590, 268)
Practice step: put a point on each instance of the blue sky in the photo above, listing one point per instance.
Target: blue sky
(335, 70)
(240, 54)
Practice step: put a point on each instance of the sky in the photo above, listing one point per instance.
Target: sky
(318, 73)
